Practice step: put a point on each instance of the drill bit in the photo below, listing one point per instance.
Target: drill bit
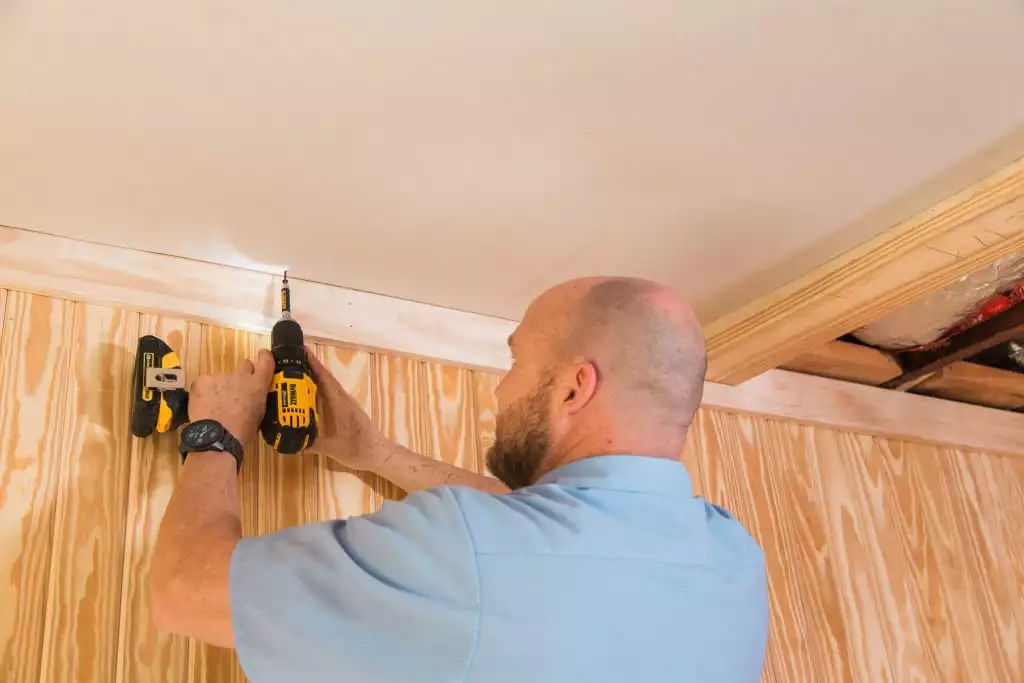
(286, 298)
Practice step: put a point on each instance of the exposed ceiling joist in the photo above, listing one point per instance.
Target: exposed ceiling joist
(992, 332)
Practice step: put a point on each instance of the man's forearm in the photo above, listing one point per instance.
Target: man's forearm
(192, 559)
(411, 471)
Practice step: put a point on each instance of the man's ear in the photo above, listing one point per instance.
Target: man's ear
(579, 387)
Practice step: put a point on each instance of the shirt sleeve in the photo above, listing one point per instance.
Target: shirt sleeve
(391, 596)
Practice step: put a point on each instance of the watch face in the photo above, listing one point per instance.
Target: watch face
(202, 433)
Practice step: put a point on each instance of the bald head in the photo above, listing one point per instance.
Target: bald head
(600, 365)
(644, 339)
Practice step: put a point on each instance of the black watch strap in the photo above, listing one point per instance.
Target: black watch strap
(204, 436)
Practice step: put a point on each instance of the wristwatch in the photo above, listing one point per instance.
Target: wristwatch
(209, 435)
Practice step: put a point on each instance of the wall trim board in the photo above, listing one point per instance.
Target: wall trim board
(871, 410)
(245, 299)
(925, 252)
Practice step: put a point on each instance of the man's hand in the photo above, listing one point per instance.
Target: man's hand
(238, 401)
(347, 433)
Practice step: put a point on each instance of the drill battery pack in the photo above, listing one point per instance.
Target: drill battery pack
(159, 399)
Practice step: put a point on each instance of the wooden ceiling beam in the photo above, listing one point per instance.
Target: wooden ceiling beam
(848, 362)
(978, 384)
(923, 253)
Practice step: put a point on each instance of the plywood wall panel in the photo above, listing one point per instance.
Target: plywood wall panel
(447, 415)
(344, 492)
(988, 535)
(398, 394)
(886, 560)
(145, 653)
(923, 503)
(887, 641)
(35, 356)
(759, 470)
(485, 408)
(1009, 473)
(83, 609)
(289, 490)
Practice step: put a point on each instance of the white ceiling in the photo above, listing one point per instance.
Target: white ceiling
(469, 153)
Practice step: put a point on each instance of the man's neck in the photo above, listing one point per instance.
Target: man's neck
(668, 448)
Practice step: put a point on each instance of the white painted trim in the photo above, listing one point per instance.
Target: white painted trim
(245, 299)
(248, 300)
(871, 410)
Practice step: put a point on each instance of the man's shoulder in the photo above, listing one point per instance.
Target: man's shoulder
(553, 520)
(517, 520)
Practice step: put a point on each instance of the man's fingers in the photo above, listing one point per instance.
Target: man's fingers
(264, 368)
(243, 367)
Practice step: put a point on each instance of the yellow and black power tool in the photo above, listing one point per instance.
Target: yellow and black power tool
(160, 401)
(291, 421)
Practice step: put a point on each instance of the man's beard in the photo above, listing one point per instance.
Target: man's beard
(521, 440)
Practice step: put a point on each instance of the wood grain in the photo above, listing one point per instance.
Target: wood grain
(923, 504)
(1009, 474)
(485, 408)
(447, 415)
(343, 492)
(876, 587)
(220, 350)
(990, 548)
(846, 361)
(760, 471)
(923, 253)
(398, 398)
(978, 384)
(960, 381)
(35, 350)
(83, 610)
(144, 653)
(888, 559)
(844, 405)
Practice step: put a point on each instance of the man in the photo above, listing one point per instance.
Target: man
(590, 560)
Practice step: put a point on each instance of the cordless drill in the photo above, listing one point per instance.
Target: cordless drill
(290, 423)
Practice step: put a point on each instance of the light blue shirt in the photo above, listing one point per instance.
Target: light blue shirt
(607, 570)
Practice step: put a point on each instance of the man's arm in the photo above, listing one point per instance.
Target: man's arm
(411, 471)
(199, 532)
(189, 582)
(349, 436)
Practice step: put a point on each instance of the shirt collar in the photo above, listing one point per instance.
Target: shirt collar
(642, 474)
